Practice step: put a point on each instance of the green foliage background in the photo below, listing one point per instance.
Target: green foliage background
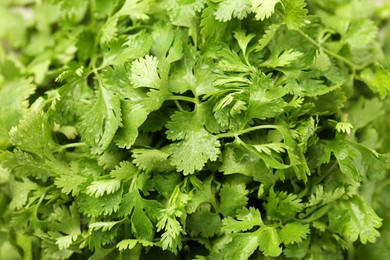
(182, 129)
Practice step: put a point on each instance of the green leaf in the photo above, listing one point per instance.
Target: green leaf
(95, 207)
(203, 192)
(242, 246)
(263, 8)
(104, 226)
(198, 145)
(267, 36)
(33, 134)
(131, 243)
(150, 159)
(121, 50)
(377, 80)
(233, 197)
(295, 13)
(69, 180)
(100, 187)
(144, 72)
(283, 59)
(20, 191)
(99, 125)
(211, 28)
(269, 241)
(246, 220)
(228, 9)
(196, 222)
(361, 34)
(294, 232)
(355, 219)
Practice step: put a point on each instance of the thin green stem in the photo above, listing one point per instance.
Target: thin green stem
(177, 103)
(353, 66)
(183, 98)
(247, 130)
(73, 145)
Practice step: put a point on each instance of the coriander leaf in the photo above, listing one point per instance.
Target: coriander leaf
(95, 207)
(294, 232)
(123, 49)
(141, 224)
(203, 192)
(295, 13)
(67, 221)
(283, 205)
(99, 124)
(67, 178)
(20, 191)
(361, 34)
(211, 28)
(150, 159)
(104, 226)
(282, 59)
(24, 164)
(269, 241)
(199, 147)
(242, 246)
(196, 222)
(243, 40)
(33, 134)
(163, 36)
(321, 61)
(377, 80)
(100, 187)
(136, 9)
(360, 220)
(345, 156)
(124, 171)
(134, 115)
(144, 72)
(267, 36)
(178, 127)
(131, 243)
(246, 220)
(228, 9)
(233, 197)
(263, 8)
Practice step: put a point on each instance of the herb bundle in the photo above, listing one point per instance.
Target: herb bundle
(209, 129)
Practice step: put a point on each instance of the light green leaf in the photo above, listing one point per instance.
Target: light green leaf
(294, 232)
(33, 134)
(20, 192)
(377, 80)
(228, 9)
(99, 125)
(241, 247)
(150, 159)
(286, 58)
(200, 146)
(268, 35)
(246, 220)
(263, 8)
(100, 187)
(104, 226)
(295, 13)
(361, 34)
(144, 72)
(269, 241)
(131, 243)
(355, 219)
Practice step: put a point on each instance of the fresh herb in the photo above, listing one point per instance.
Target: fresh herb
(141, 129)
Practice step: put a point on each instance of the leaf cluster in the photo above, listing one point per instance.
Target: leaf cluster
(230, 129)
